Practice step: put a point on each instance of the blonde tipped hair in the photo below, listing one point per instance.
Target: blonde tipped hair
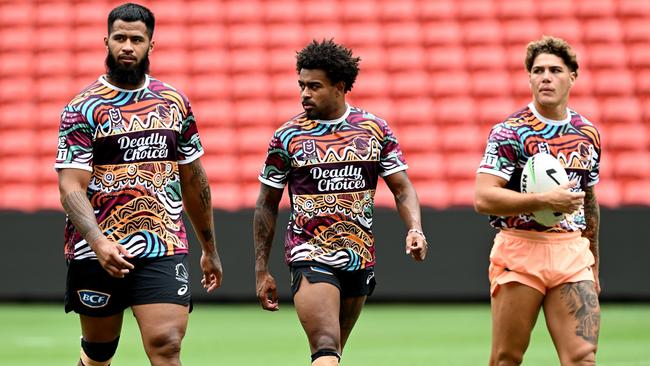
(554, 46)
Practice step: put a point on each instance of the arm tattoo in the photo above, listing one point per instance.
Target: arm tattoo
(592, 217)
(82, 215)
(266, 213)
(199, 176)
(582, 301)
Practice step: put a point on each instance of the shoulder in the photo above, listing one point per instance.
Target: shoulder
(167, 91)
(95, 90)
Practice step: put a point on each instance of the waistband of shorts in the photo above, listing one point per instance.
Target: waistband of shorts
(540, 237)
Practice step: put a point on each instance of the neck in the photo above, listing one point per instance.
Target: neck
(138, 85)
(555, 112)
(338, 112)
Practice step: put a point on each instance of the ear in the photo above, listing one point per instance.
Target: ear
(106, 42)
(572, 78)
(340, 87)
(151, 45)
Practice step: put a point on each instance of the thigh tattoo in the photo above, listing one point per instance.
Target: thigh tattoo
(582, 300)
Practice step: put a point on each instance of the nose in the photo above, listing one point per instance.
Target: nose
(305, 94)
(127, 47)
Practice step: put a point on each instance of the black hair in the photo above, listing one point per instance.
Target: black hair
(130, 12)
(334, 59)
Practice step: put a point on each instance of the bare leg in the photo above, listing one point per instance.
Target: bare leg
(100, 329)
(514, 312)
(318, 306)
(162, 327)
(350, 310)
(573, 319)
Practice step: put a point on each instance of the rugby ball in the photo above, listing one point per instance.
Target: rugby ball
(542, 173)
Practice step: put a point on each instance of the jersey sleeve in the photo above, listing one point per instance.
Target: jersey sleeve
(277, 164)
(189, 143)
(75, 147)
(594, 174)
(501, 153)
(391, 159)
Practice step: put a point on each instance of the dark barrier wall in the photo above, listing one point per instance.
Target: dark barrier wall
(33, 267)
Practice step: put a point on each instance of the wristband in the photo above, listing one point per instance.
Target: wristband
(418, 232)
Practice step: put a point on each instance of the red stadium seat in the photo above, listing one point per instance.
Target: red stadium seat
(584, 84)
(602, 30)
(442, 33)
(169, 61)
(451, 83)
(618, 82)
(91, 13)
(462, 192)
(8, 112)
(46, 173)
(482, 32)
(459, 110)
(326, 30)
(208, 61)
(226, 196)
(221, 168)
(204, 37)
(520, 84)
(209, 86)
(20, 197)
(16, 89)
(490, 84)
(476, 9)
(398, 10)
(285, 86)
(248, 60)
(363, 34)
(635, 192)
(282, 60)
(253, 112)
(626, 136)
(595, 8)
(634, 9)
(607, 56)
(632, 164)
(636, 30)
(438, 10)
(17, 39)
(218, 140)
(285, 109)
(170, 12)
(24, 169)
(48, 116)
(16, 64)
(402, 34)
(243, 11)
(551, 9)
(486, 58)
(89, 38)
(18, 142)
(48, 197)
(639, 55)
(89, 65)
(427, 165)
(47, 140)
(171, 36)
(462, 165)
(53, 38)
(588, 107)
(286, 36)
(217, 112)
(57, 13)
(495, 110)
(372, 57)
(54, 89)
(521, 31)
(359, 11)
(446, 58)
(371, 84)
(250, 166)
(621, 110)
(17, 14)
(462, 137)
(643, 83)
(516, 9)
(205, 12)
(418, 138)
(414, 112)
(283, 12)
(609, 193)
(409, 84)
(606, 165)
(320, 11)
(250, 86)
(569, 29)
(433, 193)
(247, 35)
(406, 58)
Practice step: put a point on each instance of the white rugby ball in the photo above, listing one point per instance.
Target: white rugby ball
(542, 173)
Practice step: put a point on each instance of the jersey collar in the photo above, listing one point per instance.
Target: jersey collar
(104, 81)
(548, 120)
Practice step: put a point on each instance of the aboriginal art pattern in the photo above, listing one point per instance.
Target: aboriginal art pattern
(332, 169)
(575, 142)
(132, 142)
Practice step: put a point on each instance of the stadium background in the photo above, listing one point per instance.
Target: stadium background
(440, 71)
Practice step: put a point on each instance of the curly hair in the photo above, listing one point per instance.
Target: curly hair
(334, 59)
(554, 46)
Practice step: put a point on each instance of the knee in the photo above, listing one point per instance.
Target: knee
(98, 353)
(507, 358)
(324, 340)
(581, 356)
(166, 345)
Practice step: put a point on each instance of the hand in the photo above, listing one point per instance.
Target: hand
(267, 292)
(111, 257)
(416, 245)
(561, 199)
(212, 272)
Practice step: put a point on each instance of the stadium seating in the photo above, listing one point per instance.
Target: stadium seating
(440, 72)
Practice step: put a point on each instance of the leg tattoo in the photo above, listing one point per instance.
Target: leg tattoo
(582, 301)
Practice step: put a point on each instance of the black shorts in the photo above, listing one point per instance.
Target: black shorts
(350, 283)
(91, 291)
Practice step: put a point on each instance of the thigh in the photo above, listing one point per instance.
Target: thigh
(101, 329)
(515, 309)
(318, 306)
(572, 315)
(350, 311)
(161, 323)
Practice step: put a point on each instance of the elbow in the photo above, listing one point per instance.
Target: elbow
(481, 205)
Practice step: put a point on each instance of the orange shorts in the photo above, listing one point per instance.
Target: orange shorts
(539, 260)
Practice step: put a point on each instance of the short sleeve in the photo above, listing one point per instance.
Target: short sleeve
(189, 143)
(75, 146)
(391, 159)
(594, 173)
(501, 153)
(277, 164)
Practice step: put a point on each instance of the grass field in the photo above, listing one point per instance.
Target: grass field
(386, 335)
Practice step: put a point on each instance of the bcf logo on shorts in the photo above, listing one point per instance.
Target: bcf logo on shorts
(93, 299)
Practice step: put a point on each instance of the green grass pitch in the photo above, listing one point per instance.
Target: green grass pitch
(385, 335)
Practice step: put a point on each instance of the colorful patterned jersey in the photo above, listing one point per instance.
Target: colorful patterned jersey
(575, 142)
(132, 141)
(332, 168)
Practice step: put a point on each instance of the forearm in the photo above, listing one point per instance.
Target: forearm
(505, 202)
(197, 200)
(592, 218)
(80, 212)
(263, 233)
(408, 206)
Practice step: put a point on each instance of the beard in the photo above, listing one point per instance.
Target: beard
(126, 75)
